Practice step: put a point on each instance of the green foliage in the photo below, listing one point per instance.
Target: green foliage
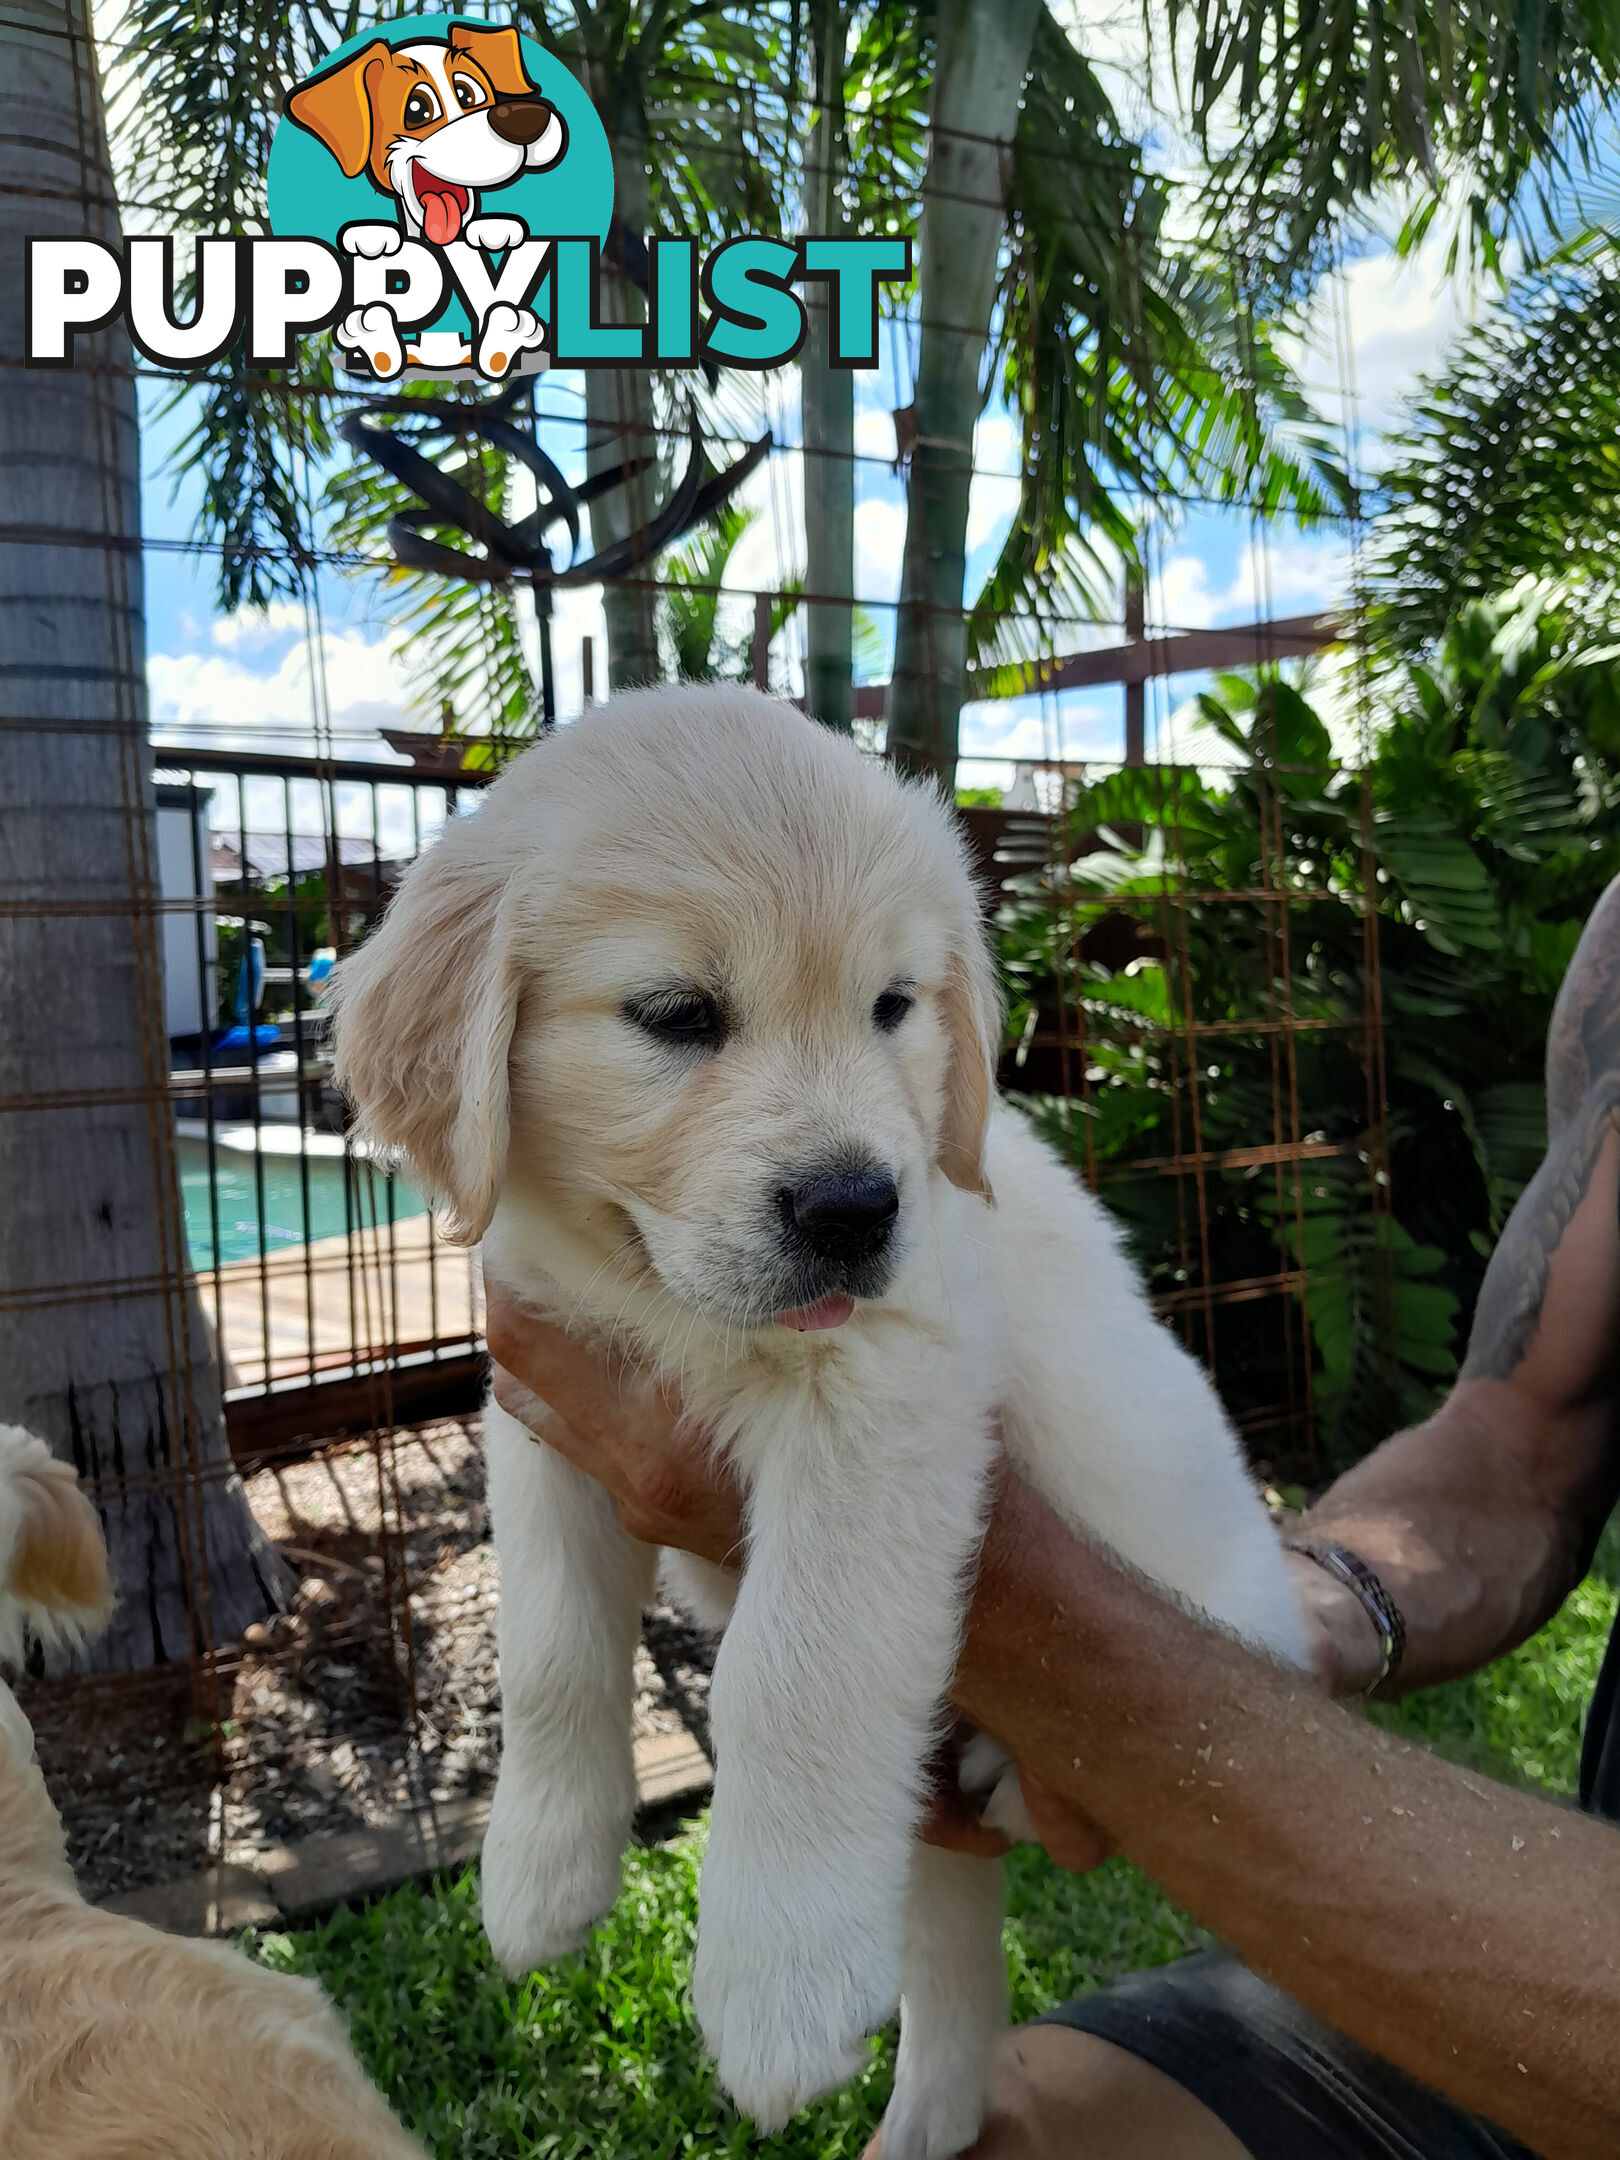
(600, 2055)
(690, 598)
(1507, 464)
(1482, 829)
(1520, 1719)
(1136, 371)
(1312, 107)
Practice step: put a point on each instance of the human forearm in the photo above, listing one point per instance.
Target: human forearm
(1361, 1875)
(1479, 1523)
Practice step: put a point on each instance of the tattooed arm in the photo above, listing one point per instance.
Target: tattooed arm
(1482, 1520)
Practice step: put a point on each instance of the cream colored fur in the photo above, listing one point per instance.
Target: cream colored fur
(710, 837)
(116, 2042)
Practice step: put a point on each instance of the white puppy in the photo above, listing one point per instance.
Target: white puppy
(694, 1024)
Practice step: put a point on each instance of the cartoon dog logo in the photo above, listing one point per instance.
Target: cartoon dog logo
(435, 124)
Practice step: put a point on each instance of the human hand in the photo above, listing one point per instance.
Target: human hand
(619, 1426)
(627, 1431)
(1346, 1654)
(1069, 1838)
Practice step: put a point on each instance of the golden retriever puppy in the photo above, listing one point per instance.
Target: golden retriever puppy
(116, 2042)
(694, 1023)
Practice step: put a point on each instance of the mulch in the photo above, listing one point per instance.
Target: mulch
(377, 1691)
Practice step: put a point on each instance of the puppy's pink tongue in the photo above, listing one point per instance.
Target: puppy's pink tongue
(826, 1312)
(441, 217)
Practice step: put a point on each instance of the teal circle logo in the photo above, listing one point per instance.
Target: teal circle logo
(457, 136)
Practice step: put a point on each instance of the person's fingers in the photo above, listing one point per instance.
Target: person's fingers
(954, 1823)
(568, 1375)
(521, 1402)
(1072, 1840)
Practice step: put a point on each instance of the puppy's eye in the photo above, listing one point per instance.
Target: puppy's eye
(891, 1008)
(421, 107)
(469, 94)
(686, 1017)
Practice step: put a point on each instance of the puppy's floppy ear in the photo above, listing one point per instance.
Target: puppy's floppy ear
(424, 1018)
(53, 1561)
(970, 1006)
(336, 107)
(499, 53)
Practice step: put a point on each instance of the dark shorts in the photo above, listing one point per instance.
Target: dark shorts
(1286, 2086)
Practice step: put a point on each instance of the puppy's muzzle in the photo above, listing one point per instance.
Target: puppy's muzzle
(520, 120)
(844, 1218)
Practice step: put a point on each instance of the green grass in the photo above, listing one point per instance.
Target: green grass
(1520, 1719)
(599, 2056)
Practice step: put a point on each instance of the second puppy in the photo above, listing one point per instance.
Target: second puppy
(116, 2042)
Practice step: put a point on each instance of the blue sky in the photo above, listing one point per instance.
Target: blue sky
(246, 679)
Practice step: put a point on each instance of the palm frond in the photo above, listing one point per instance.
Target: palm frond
(1311, 108)
(1137, 372)
(1507, 463)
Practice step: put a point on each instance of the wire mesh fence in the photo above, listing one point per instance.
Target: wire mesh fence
(1182, 975)
(1188, 936)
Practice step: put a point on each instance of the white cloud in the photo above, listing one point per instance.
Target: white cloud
(236, 693)
(1375, 327)
(997, 734)
(1280, 574)
(874, 433)
(251, 629)
(220, 695)
(880, 540)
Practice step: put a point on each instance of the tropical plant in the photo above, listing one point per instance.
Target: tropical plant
(678, 88)
(1480, 829)
(1309, 107)
(691, 597)
(1507, 463)
(1306, 113)
(1135, 368)
(864, 160)
(104, 1347)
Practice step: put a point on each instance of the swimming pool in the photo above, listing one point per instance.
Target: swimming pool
(342, 1194)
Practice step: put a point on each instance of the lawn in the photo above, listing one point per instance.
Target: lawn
(600, 2057)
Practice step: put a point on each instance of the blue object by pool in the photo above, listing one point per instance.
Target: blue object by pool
(250, 981)
(266, 1035)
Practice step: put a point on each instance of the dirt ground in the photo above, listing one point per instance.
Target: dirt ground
(316, 1728)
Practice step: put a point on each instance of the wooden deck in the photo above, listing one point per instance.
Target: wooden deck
(318, 1309)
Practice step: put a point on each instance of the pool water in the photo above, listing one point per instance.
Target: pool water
(342, 1195)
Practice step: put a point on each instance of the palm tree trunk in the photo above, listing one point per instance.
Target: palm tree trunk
(827, 406)
(104, 1349)
(618, 401)
(982, 58)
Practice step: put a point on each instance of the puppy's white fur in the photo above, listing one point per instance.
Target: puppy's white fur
(708, 836)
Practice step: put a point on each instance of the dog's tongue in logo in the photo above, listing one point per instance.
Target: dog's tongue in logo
(444, 205)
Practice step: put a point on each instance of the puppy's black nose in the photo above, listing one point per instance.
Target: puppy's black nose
(520, 120)
(844, 1214)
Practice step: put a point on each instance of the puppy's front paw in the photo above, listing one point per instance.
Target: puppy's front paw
(550, 1871)
(936, 2110)
(787, 1991)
